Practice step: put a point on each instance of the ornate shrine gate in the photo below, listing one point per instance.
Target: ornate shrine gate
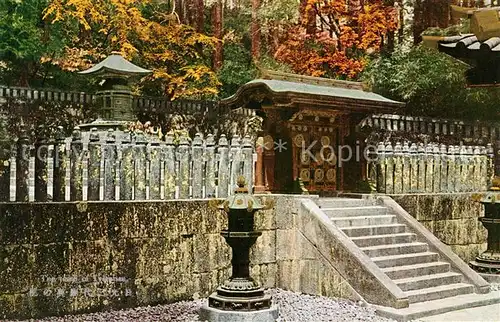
(307, 124)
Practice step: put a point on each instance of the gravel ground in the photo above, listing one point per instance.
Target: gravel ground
(293, 307)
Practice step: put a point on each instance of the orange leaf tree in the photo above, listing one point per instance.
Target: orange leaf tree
(344, 33)
(145, 31)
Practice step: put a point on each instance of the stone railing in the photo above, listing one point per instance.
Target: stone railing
(431, 168)
(462, 131)
(134, 166)
(141, 104)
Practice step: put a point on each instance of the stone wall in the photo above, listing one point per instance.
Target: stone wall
(69, 257)
(453, 218)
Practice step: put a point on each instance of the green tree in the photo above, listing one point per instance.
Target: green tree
(432, 84)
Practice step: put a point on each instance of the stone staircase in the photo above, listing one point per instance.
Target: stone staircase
(409, 262)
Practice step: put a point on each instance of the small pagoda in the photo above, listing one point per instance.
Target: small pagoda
(114, 99)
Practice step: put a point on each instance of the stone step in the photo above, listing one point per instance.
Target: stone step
(429, 308)
(355, 211)
(374, 230)
(345, 202)
(439, 292)
(415, 270)
(366, 241)
(357, 221)
(405, 259)
(427, 281)
(395, 249)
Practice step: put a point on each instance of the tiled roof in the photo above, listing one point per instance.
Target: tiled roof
(468, 46)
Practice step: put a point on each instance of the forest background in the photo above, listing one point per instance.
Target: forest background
(206, 49)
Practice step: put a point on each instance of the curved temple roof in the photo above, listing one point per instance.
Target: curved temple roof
(116, 64)
(299, 92)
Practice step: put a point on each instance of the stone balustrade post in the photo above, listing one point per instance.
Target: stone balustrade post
(41, 168)
(406, 174)
(389, 174)
(210, 168)
(155, 159)
(381, 167)
(235, 157)
(429, 167)
(60, 158)
(94, 166)
(248, 166)
(183, 156)
(198, 166)
(436, 184)
(398, 168)
(223, 156)
(76, 164)
(5, 170)
(421, 168)
(110, 166)
(444, 168)
(140, 166)
(126, 160)
(169, 174)
(413, 168)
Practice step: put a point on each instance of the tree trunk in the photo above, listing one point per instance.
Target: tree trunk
(307, 17)
(200, 15)
(217, 22)
(255, 30)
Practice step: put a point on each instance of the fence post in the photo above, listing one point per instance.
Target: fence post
(389, 181)
(41, 170)
(248, 161)
(210, 167)
(436, 185)
(22, 168)
(490, 165)
(76, 159)
(398, 168)
(5, 168)
(223, 177)
(421, 167)
(169, 166)
(470, 169)
(478, 175)
(184, 167)
(94, 167)
(155, 159)
(110, 157)
(198, 164)
(406, 175)
(235, 156)
(60, 165)
(381, 167)
(413, 168)
(452, 169)
(140, 166)
(461, 168)
(126, 167)
(444, 168)
(429, 167)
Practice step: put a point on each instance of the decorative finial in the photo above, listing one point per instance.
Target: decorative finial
(241, 182)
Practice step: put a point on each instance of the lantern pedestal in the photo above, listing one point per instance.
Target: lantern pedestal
(240, 299)
(488, 263)
(208, 313)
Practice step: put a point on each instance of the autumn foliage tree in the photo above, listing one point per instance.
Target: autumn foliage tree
(334, 37)
(144, 31)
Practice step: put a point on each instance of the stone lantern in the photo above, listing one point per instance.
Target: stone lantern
(240, 298)
(488, 263)
(115, 97)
